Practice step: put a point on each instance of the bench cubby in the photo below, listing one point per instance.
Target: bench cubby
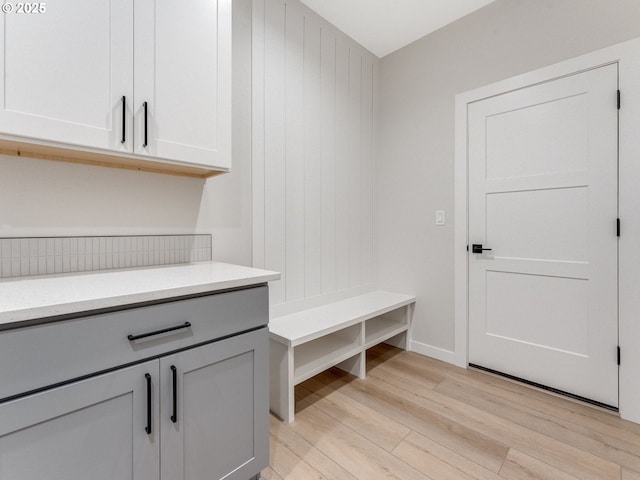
(310, 341)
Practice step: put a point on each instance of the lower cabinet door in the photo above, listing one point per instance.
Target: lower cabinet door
(91, 429)
(215, 425)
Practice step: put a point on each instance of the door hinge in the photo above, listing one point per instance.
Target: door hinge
(618, 227)
(618, 354)
(618, 99)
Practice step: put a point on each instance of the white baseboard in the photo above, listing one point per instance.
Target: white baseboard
(433, 352)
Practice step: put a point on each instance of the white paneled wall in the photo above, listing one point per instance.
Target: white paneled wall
(313, 117)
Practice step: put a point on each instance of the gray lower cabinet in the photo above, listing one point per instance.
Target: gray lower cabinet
(217, 426)
(199, 413)
(91, 429)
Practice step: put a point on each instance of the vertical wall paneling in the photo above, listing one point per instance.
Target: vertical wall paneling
(312, 155)
(342, 165)
(294, 161)
(274, 146)
(366, 172)
(328, 159)
(312, 159)
(355, 168)
(257, 134)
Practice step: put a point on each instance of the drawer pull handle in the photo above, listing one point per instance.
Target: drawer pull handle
(148, 427)
(174, 374)
(158, 332)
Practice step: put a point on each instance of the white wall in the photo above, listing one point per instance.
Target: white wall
(225, 208)
(312, 155)
(44, 198)
(415, 147)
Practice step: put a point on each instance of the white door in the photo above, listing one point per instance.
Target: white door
(543, 197)
(92, 429)
(216, 425)
(183, 73)
(65, 71)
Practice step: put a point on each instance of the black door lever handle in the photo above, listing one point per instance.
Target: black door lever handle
(477, 248)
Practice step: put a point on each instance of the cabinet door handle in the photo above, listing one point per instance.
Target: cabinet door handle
(124, 119)
(146, 121)
(158, 332)
(174, 374)
(148, 427)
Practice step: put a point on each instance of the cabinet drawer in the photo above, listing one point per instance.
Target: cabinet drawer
(42, 355)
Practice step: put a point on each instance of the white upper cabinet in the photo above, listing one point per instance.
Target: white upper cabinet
(64, 72)
(147, 79)
(182, 72)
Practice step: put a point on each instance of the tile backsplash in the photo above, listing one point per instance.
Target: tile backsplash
(29, 256)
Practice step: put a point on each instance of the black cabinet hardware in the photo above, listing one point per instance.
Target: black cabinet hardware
(146, 121)
(148, 427)
(124, 119)
(158, 332)
(174, 374)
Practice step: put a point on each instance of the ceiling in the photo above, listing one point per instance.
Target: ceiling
(383, 26)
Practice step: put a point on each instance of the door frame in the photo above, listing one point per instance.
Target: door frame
(627, 56)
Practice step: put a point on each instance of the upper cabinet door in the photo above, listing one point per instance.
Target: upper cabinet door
(65, 71)
(183, 73)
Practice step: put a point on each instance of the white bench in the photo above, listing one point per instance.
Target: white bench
(305, 343)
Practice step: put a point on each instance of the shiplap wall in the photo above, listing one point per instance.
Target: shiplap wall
(313, 118)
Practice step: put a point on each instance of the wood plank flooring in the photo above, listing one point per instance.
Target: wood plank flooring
(415, 418)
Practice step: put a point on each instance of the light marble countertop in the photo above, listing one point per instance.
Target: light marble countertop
(26, 299)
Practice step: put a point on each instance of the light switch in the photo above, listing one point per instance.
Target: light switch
(440, 218)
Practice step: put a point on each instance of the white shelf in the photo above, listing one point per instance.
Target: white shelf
(301, 327)
(316, 356)
(317, 364)
(382, 328)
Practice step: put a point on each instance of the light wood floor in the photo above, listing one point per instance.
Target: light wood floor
(414, 418)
